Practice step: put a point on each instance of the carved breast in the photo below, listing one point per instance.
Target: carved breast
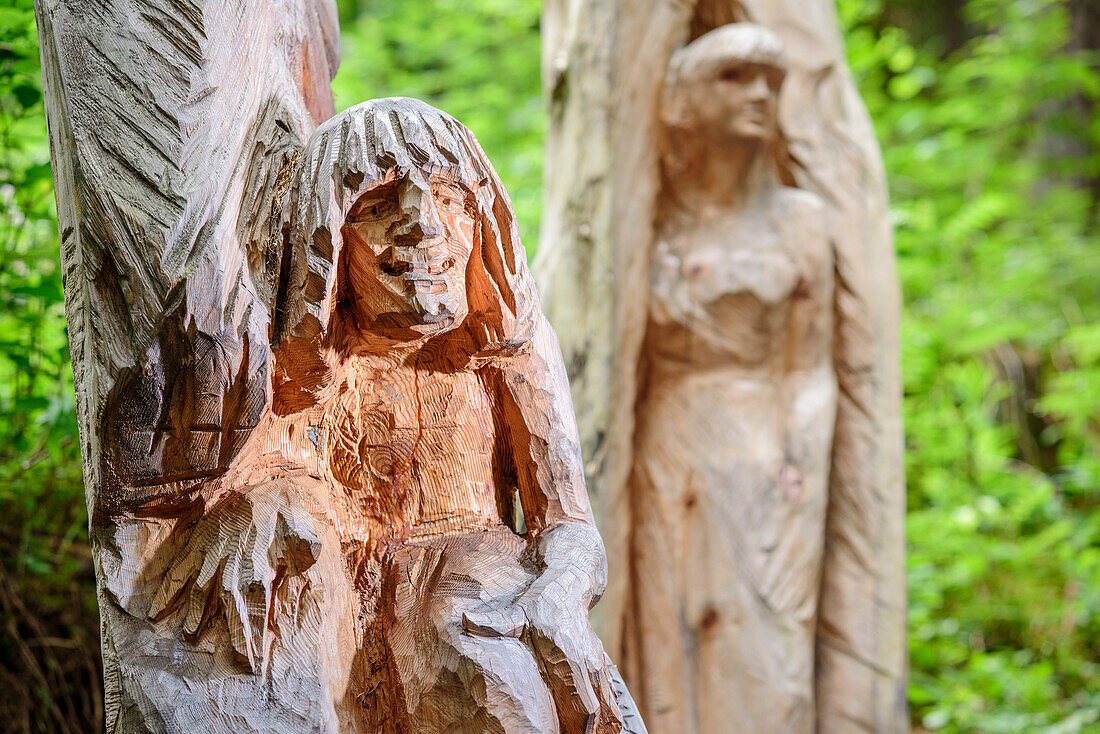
(723, 289)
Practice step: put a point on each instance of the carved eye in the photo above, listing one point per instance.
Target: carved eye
(739, 74)
(451, 198)
(373, 208)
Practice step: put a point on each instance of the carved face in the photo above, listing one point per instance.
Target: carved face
(741, 101)
(408, 243)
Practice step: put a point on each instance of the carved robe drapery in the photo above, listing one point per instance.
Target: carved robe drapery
(598, 250)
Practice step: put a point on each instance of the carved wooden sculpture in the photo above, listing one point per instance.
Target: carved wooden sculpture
(725, 291)
(735, 423)
(333, 468)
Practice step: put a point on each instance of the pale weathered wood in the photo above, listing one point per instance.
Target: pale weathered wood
(738, 394)
(756, 555)
(332, 464)
(153, 109)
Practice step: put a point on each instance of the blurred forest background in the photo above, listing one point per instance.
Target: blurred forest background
(986, 110)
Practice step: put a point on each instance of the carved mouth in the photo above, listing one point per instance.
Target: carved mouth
(758, 113)
(420, 263)
(420, 284)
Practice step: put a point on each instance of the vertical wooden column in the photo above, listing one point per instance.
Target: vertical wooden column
(170, 123)
(332, 470)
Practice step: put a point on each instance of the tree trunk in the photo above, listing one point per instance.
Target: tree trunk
(169, 122)
(604, 69)
(1085, 22)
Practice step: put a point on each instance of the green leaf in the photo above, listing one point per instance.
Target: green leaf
(27, 95)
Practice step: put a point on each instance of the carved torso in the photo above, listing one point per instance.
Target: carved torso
(732, 445)
(412, 450)
(748, 289)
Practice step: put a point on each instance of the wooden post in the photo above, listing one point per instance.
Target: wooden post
(618, 207)
(169, 124)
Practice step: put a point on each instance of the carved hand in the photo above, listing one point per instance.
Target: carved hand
(246, 546)
(553, 614)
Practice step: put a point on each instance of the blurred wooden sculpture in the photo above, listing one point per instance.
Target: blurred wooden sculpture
(717, 258)
(365, 512)
(738, 401)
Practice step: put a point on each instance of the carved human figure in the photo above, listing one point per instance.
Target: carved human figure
(736, 410)
(403, 542)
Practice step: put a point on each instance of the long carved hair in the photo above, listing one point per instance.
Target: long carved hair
(351, 154)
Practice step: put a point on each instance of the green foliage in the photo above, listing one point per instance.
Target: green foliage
(988, 150)
(46, 584)
(478, 61)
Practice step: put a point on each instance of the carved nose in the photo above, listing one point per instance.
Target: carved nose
(758, 88)
(422, 220)
(415, 233)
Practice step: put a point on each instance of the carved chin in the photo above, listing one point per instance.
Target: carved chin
(753, 127)
(427, 316)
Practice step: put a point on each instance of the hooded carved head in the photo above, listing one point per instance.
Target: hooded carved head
(399, 230)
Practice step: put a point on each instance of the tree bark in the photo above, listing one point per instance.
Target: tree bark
(604, 67)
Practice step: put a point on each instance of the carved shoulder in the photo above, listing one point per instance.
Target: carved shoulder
(802, 216)
(802, 209)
